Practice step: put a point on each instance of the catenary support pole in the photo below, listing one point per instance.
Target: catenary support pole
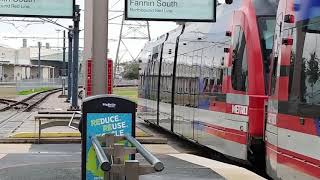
(64, 54)
(70, 38)
(116, 64)
(148, 27)
(39, 60)
(100, 46)
(75, 62)
(63, 73)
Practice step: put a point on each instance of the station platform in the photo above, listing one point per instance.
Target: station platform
(61, 159)
(47, 162)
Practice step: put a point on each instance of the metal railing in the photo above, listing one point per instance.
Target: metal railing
(105, 164)
(119, 168)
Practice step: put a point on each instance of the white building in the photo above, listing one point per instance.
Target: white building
(15, 64)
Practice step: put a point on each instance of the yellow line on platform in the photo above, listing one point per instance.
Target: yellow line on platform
(46, 135)
(139, 133)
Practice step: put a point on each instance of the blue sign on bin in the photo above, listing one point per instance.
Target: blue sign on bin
(105, 114)
(99, 124)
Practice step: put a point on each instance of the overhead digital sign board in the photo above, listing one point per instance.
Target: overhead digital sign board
(37, 8)
(171, 10)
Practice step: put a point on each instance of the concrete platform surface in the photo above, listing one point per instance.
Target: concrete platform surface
(48, 162)
(60, 161)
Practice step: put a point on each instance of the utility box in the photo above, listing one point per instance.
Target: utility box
(104, 114)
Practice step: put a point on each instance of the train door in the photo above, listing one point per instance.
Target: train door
(271, 129)
(147, 89)
(154, 86)
(165, 111)
(206, 88)
(237, 98)
(165, 91)
(199, 76)
(188, 110)
(178, 109)
(186, 105)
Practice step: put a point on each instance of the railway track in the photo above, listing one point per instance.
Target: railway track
(16, 112)
(28, 103)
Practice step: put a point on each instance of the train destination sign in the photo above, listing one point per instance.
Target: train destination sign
(37, 8)
(171, 10)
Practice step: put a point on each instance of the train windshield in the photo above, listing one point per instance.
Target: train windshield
(266, 29)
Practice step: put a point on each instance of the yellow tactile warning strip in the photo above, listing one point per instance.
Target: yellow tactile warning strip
(46, 135)
(230, 172)
(139, 133)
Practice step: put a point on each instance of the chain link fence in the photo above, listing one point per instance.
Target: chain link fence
(30, 84)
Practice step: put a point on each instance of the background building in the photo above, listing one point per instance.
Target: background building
(22, 63)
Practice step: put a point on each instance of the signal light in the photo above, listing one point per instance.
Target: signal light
(226, 50)
(287, 41)
(289, 18)
(228, 33)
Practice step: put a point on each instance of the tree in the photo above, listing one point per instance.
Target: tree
(313, 71)
(131, 70)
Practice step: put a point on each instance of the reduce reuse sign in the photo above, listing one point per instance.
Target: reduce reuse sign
(102, 115)
(171, 10)
(37, 8)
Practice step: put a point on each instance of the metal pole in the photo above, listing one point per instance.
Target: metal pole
(88, 37)
(75, 62)
(148, 27)
(100, 47)
(39, 59)
(158, 165)
(64, 54)
(64, 64)
(105, 165)
(70, 37)
(116, 65)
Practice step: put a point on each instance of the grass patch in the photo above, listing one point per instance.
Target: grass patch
(31, 91)
(128, 92)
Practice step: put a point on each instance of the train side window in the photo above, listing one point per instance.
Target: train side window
(305, 76)
(239, 76)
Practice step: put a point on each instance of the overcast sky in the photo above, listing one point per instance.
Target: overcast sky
(37, 29)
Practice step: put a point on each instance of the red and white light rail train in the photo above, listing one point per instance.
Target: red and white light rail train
(247, 86)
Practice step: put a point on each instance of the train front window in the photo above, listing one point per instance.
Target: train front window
(306, 61)
(266, 30)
